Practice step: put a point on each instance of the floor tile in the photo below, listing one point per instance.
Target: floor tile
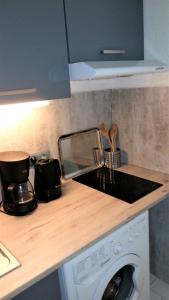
(154, 296)
(152, 278)
(160, 288)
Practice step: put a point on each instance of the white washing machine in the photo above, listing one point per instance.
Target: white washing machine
(114, 268)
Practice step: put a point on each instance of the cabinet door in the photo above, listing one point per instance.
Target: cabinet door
(33, 50)
(98, 25)
(46, 289)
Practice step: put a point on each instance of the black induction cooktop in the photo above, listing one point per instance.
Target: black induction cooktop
(126, 187)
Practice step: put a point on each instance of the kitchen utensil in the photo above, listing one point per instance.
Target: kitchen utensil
(113, 134)
(17, 192)
(47, 179)
(104, 132)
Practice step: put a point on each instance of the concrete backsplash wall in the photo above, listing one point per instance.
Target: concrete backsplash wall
(142, 116)
(38, 128)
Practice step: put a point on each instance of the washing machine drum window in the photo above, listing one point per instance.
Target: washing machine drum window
(121, 286)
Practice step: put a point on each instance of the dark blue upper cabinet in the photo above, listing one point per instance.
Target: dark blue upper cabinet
(94, 26)
(33, 50)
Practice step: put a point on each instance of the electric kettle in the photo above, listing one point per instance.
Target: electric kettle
(47, 183)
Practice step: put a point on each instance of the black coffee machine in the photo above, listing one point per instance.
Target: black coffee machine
(47, 179)
(17, 192)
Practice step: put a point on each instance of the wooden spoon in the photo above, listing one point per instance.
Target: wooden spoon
(113, 134)
(104, 131)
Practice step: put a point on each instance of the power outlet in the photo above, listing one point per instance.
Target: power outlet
(38, 155)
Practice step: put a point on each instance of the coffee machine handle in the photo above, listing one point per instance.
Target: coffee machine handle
(57, 166)
(11, 193)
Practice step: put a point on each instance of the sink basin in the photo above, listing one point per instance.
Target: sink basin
(7, 261)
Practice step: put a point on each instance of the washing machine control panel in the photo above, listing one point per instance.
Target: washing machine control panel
(105, 252)
(117, 248)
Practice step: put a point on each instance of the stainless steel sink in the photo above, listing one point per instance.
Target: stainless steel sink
(7, 261)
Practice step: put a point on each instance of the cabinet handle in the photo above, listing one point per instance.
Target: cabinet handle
(111, 51)
(17, 92)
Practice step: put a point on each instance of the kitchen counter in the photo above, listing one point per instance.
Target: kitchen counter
(58, 230)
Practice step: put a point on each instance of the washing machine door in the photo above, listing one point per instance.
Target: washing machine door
(124, 281)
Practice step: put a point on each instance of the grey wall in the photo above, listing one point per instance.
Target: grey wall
(32, 129)
(143, 119)
(159, 240)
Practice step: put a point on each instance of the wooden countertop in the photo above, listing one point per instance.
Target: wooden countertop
(60, 229)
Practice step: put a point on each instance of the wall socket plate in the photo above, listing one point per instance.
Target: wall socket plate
(39, 155)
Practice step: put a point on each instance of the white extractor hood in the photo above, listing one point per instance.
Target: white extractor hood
(102, 69)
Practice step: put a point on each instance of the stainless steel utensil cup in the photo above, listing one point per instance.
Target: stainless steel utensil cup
(112, 158)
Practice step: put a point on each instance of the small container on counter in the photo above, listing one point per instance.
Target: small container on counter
(112, 159)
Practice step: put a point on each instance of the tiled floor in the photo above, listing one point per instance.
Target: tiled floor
(159, 289)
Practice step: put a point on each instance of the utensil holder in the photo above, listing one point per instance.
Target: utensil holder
(112, 158)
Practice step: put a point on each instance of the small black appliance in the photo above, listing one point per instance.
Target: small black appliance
(17, 192)
(47, 179)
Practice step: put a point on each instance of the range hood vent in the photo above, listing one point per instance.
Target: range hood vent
(103, 69)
